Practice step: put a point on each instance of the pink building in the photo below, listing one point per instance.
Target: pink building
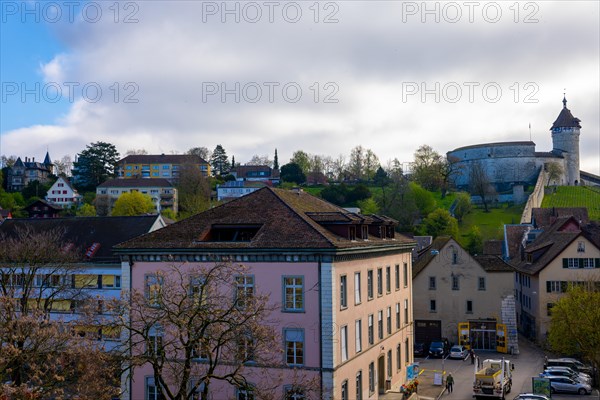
(342, 283)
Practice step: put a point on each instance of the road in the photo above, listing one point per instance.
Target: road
(528, 363)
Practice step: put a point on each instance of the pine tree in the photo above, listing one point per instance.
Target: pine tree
(219, 161)
(276, 161)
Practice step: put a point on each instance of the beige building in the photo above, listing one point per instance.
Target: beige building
(162, 192)
(567, 252)
(453, 291)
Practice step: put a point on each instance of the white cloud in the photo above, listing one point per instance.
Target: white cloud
(371, 56)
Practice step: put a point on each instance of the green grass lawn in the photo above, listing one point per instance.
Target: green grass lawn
(490, 224)
(575, 196)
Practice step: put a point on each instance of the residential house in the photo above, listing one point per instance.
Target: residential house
(155, 166)
(97, 274)
(233, 189)
(63, 194)
(566, 252)
(349, 327)
(43, 209)
(23, 172)
(466, 299)
(162, 191)
(262, 173)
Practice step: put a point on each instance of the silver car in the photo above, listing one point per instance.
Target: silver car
(531, 396)
(564, 384)
(564, 371)
(459, 351)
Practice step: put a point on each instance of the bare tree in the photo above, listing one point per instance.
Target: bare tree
(201, 152)
(479, 184)
(196, 326)
(63, 166)
(260, 160)
(194, 190)
(40, 357)
(133, 152)
(554, 171)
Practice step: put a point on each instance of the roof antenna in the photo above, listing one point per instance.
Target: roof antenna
(565, 98)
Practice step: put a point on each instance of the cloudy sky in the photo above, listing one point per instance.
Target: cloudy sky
(323, 77)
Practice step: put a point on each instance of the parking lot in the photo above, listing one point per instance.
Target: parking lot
(528, 363)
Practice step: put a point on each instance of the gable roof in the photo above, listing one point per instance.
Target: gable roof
(162, 159)
(545, 217)
(51, 206)
(136, 182)
(66, 182)
(493, 263)
(427, 254)
(282, 220)
(83, 232)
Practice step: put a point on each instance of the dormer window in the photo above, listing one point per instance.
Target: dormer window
(232, 233)
(529, 258)
(581, 247)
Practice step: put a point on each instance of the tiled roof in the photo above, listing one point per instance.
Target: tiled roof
(429, 253)
(84, 231)
(545, 217)
(492, 263)
(136, 182)
(45, 203)
(565, 119)
(514, 238)
(162, 159)
(281, 217)
(493, 247)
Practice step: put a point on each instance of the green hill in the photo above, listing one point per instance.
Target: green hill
(575, 196)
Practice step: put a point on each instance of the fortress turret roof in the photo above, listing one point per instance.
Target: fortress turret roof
(565, 118)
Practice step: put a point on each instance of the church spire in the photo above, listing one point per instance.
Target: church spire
(564, 101)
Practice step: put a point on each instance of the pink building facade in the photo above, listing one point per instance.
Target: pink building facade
(348, 328)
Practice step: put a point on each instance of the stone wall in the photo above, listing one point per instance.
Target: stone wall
(509, 318)
(535, 198)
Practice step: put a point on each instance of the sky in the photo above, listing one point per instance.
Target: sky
(323, 77)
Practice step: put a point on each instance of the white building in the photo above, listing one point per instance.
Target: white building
(63, 194)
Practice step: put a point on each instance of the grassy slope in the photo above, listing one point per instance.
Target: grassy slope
(575, 196)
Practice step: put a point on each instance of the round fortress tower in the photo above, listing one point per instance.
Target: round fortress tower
(565, 142)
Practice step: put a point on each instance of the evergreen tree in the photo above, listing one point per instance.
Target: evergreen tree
(219, 161)
(94, 165)
(232, 162)
(276, 161)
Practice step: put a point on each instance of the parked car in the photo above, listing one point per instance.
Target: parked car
(531, 396)
(459, 352)
(438, 349)
(557, 372)
(419, 350)
(564, 384)
(572, 363)
(579, 375)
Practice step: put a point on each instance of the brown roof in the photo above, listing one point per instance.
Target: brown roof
(429, 253)
(136, 182)
(514, 238)
(281, 218)
(162, 159)
(493, 247)
(545, 217)
(492, 263)
(565, 119)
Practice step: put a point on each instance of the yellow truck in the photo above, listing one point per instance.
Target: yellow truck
(493, 380)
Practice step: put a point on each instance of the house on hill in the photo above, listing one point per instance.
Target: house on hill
(23, 172)
(349, 327)
(467, 299)
(155, 166)
(161, 191)
(62, 194)
(43, 209)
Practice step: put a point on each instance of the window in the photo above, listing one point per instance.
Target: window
(358, 395)
(388, 280)
(343, 292)
(389, 320)
(481, 284)
(245, 348)
(245, 394)
(293, 293)
(398, 357)
(358, 335)
(344, 342)
(454, 256)
(469, 307)
(370, 284)
(406, 354)
(371, 378)
(294, 346)
(197, 292)
(370, 332)
(389, 363)
(406, 311)
(397, 315)
(357, 288)
(405, 273)
(201, 349)
(244, 289)
(556, 286)
(432, 306)
(152, 391)
(581, 247)
(294, 393)
(397, 276)
(379, 282)
(154, 343)
(344, 395)
(549, 308)
(153, 285)
(432, 285)
(380, 324)
(455, 285)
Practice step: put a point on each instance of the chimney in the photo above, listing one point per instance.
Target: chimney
(33, 159)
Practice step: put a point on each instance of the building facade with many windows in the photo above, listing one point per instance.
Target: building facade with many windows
(155, 166)
(340, 282)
